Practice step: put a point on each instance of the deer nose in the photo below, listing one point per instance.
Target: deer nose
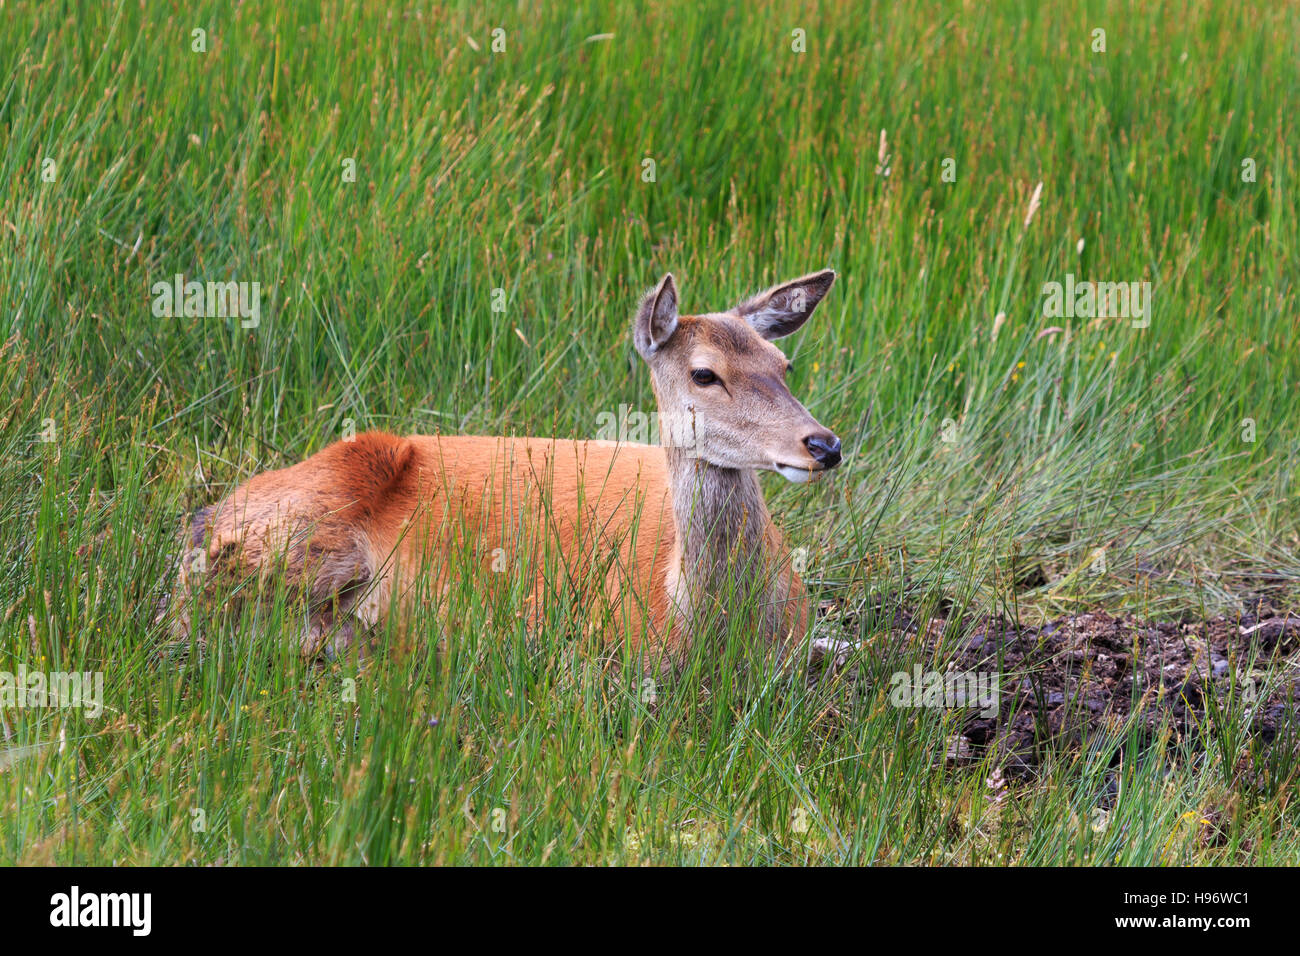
(824, 448)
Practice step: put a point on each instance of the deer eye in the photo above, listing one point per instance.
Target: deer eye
(704, 376)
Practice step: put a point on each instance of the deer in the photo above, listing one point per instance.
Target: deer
(659, 543)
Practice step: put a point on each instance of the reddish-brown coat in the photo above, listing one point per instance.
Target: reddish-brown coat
(383, 520)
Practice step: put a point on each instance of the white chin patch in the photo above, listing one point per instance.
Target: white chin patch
(797, 475)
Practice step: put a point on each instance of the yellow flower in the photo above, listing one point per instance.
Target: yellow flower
(1020, 365)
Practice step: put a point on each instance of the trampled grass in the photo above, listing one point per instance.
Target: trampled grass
(381, 173)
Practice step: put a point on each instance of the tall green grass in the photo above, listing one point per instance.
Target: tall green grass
(523, 171)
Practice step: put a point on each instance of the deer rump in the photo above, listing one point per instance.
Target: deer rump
(383, 525)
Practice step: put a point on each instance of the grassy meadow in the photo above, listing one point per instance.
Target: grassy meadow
(451, 229)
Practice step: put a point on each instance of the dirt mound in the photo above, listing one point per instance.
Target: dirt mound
(1062, 682)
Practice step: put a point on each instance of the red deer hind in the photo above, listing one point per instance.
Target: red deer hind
(364, 528)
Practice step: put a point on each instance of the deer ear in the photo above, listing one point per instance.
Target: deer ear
(783, 308)
(656, 319)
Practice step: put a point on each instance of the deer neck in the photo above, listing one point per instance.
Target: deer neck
(721, 522)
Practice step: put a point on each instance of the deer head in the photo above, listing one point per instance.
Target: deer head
(720, 381)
